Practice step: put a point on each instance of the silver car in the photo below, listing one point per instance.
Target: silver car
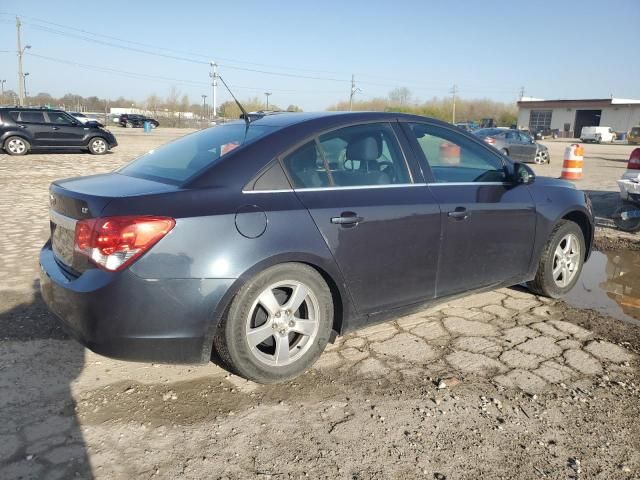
(516, 144)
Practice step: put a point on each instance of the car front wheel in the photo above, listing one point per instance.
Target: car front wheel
(561, 261)
(98, 146)
(278, 324)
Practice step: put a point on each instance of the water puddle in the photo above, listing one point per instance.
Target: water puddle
(610, 284)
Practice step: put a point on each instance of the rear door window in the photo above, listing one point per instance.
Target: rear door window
(355, 156)
(31, 117)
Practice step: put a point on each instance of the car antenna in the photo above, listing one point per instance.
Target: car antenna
(245, 115)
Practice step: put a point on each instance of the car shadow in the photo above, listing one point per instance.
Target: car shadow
(53, 151)
(40, 435)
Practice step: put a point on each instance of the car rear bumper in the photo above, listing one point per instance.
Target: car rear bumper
(123, 316)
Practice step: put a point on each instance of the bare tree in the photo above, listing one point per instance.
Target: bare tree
(400, 95)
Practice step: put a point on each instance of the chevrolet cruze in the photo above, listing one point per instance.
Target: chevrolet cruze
(259, 241)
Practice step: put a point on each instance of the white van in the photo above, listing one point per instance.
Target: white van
(597, 134)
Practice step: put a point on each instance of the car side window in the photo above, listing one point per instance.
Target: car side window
(364, 155)
(453, 158)
(59, 118)
(512, 136)
(31, 117)
(306, 167)
(525, 138)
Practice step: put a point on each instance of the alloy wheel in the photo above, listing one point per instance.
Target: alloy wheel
(566, 259)
(282, 323)
(16, 146)
(99, 145)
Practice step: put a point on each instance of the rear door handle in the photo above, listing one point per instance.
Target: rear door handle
(460, 213)
(347, 218)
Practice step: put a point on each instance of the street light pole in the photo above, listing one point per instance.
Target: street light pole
(2, 82)
(267, 95)
(24, 87)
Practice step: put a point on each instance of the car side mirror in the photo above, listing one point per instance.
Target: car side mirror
(523, 174)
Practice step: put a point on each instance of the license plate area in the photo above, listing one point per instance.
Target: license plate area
(62, 237)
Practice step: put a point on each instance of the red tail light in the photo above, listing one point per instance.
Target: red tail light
(113, 243)
(490, 140)
(634, 160)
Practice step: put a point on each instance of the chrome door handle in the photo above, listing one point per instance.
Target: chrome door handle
(55, 128)
(460, 213)
(347, 218)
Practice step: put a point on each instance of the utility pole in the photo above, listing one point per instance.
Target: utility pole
(354, 90)
(20, 77)
(2, 82)
(267, 95)
(454, 92)
(204, 105)
(214, 88)
(521, 93)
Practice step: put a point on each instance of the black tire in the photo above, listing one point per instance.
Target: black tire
(544, 283)
(129, 125)
(231, 344)
(16, 146)
(98, 146)
(632, 225)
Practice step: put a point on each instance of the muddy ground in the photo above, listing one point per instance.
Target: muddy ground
(499, 385)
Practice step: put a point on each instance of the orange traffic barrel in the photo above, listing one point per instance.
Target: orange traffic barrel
(449, 153)
(572, 163)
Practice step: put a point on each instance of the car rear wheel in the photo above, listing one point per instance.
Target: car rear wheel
(278, 324)
(561, 261)
(16, 146)
(128, 125)
(98, 146)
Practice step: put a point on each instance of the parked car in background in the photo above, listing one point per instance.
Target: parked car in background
(83, 118)
(597, 134)
(516, 144)
(261, 240)
(633, 137)
(541, 133)
(131, 120)
(467, 126)
(25, 129)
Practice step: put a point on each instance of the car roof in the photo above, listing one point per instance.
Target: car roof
(286, 119)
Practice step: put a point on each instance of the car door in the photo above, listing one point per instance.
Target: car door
(513, 144)
(373, 211)
(528, 146)
(65, 130)
(34, 125)
(488, 222)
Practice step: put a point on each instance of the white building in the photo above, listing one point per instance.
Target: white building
(569, 116)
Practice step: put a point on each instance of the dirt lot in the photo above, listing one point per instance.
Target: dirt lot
(498, 385)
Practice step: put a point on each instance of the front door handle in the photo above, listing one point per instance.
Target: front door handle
(460, 213)
(55, 128)
(347, 219)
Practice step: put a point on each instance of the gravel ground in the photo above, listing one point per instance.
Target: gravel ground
(498, 385)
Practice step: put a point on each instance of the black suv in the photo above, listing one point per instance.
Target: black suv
(24, 129)
(130, 120)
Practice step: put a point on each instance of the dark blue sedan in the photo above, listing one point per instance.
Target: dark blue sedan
(260, 242)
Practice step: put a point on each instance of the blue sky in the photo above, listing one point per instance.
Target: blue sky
(571, 49)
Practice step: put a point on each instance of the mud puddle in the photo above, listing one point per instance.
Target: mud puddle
(610, 285)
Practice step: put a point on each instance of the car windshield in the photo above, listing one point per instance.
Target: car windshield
(179, 160)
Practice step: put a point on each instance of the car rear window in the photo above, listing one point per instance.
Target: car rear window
(30, 117)
(179, 160)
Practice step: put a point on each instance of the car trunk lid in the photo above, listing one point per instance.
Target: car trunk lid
(81, 198)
